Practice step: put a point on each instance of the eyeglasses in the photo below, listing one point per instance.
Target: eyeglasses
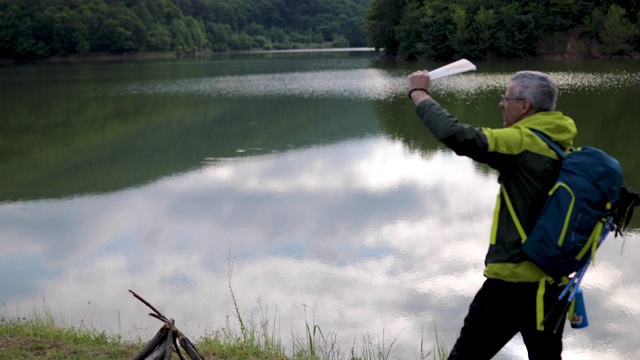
(507, 98)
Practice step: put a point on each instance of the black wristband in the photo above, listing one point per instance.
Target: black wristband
(416, 89)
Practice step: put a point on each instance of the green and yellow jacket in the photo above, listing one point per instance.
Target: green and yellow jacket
(527, 168)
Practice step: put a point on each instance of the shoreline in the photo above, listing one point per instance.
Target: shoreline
(99, 57)
(103, 57)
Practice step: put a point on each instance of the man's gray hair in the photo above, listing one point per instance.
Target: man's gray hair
(537, 87)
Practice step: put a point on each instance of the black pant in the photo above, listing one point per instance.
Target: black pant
(500, 310)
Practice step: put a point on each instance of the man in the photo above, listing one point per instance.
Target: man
(517, 295)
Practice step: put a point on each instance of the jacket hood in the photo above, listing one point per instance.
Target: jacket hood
(560, 128)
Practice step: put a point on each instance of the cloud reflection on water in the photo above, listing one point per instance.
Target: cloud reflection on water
(366, 236)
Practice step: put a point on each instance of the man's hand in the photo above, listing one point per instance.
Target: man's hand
(418, 86)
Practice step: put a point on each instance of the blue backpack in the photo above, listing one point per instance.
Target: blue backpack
(572, 222)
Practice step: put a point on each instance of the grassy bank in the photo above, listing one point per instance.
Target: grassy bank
(38, 337)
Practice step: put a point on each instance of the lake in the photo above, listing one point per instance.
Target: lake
(300, 185)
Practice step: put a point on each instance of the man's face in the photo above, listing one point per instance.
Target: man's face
(513, 108)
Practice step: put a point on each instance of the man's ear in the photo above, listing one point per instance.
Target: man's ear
(526, 107)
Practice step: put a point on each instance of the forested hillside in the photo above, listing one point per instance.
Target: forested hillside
(485, 29)
(31, 29)
(435, 29)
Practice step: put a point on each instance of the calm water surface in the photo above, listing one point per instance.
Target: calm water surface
(303, 181)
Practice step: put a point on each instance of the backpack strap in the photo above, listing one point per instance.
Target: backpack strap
(552, 144)
(514, 217)
(512, 212)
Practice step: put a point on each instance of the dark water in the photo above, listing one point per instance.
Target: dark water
(307, 174)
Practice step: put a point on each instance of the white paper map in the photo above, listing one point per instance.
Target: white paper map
(455, 67)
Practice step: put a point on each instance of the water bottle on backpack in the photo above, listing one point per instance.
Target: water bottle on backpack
(578, 317)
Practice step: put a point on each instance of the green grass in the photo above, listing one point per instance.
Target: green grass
(37, 336)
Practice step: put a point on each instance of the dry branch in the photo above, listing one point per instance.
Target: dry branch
(188, 346)
(162, 345)
(153, 343)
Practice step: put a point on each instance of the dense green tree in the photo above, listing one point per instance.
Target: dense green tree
(593, 23)
(36, 29)
(354, 32)
(180, 36)
(241, 41)
(277, 35)
(617, 32)
(410, 31)
(519, 33)
(437, 29)
(474, 34)
(70, 35)
(122, 30)
(158, 38)
(218, 36)
(461, 37)
(484, 29)
(256, 30)
(382, 19)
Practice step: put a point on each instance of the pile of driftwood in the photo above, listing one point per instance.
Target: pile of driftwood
(166, 340)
